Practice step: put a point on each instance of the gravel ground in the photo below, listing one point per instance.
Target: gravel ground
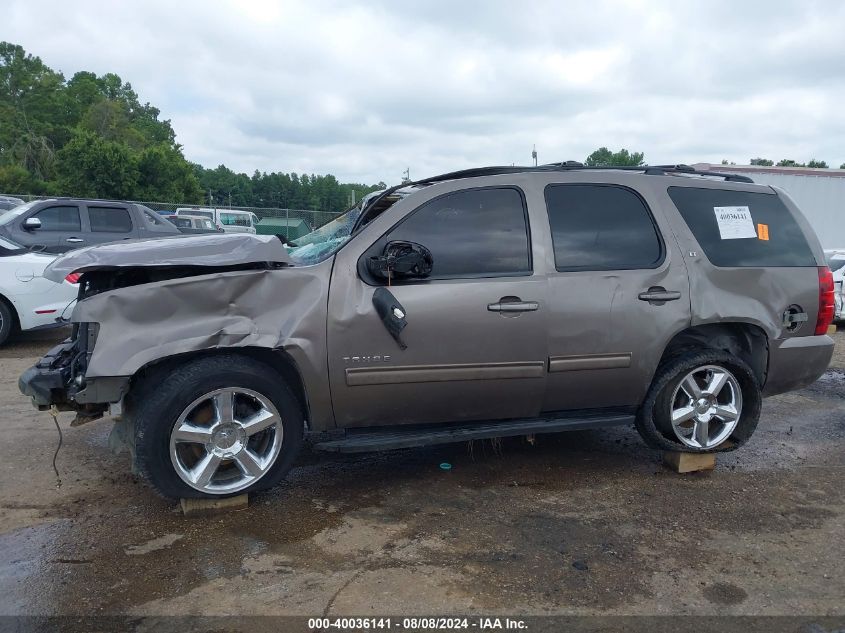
(577, 524)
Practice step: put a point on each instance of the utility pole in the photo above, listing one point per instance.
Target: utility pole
(406, 175)
(210, 203)
(534, 155)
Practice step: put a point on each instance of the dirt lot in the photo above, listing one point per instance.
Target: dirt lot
(580, 523)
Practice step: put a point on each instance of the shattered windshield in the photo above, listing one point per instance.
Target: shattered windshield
(322, 243)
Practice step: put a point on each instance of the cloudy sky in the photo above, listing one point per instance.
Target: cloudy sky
(364, 90)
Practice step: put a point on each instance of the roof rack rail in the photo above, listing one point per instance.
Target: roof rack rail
(662, 170)
(571, 165)
(567, 165)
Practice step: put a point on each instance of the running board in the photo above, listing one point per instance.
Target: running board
(389, 438)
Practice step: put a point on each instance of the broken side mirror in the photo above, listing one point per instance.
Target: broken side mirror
(401, 260)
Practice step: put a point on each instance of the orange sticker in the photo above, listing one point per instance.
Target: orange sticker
(763, 232)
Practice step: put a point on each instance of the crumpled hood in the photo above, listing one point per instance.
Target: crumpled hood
(221, 249)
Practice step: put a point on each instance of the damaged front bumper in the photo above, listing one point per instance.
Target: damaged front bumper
(58, 379)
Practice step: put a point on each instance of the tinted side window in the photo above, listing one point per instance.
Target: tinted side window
(473, 233)
(601, 227)
(777, 241)
(109, 220)
(59, 219)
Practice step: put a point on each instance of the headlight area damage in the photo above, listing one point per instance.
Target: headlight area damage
(143, 301)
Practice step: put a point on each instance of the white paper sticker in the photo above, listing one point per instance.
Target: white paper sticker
(735, 223)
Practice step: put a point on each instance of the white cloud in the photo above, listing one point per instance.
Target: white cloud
(365, 90)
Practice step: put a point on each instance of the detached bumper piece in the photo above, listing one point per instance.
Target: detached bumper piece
(46, 382)
(58, 379)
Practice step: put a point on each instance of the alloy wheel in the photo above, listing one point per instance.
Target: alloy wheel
(226, 440)
(705, 407)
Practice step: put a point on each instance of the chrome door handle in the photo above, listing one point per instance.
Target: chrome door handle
(513, 306)
(658, 294)
(74, 240)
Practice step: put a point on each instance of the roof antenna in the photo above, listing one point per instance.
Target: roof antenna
(534, 155)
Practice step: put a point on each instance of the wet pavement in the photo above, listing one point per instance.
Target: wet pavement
(577, 523)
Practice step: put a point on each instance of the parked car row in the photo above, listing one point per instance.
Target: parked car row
(59, 225)
(33, 233)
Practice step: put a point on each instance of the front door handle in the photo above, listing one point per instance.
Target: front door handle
(659, 295)
(503, 305)
(74, 240)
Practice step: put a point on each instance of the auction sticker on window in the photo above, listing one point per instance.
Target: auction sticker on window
(735, 223)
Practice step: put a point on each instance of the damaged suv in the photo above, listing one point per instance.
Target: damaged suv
(490, 302)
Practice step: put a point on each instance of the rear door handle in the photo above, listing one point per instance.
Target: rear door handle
(513, 306)
(74, 240)
(659, 295)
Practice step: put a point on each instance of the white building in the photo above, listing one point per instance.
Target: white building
(820, 194)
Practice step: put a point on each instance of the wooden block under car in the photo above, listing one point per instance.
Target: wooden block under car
(689, 462)
(196, 507)
(831, 330)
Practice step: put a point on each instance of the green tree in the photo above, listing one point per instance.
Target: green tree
(92, 167)
(92, 136)
(764, 162)
(842, 166)
(110, 121)
(788, 162)
(16, 179)
(818, 164)
(164, 174)
(31, 113)
(603, 157)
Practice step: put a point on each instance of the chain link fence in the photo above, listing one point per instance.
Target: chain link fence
(291, 223)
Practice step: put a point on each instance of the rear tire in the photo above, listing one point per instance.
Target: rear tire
(701, 402)
(215, 427)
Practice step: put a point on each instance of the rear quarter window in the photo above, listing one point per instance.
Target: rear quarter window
(109, 220)
(778, 240)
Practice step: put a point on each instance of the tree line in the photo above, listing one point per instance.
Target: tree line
(788, 162)
(90, 136)
(604, 157)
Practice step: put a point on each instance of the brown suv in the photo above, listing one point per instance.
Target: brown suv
(488, 302)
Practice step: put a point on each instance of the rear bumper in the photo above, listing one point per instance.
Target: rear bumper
(796, 362)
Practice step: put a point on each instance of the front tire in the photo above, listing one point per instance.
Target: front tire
(7, 322)
(215, 427)
(701, 402)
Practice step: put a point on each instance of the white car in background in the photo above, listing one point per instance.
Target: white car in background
(835, 259)
(28, 301)
(229, 220)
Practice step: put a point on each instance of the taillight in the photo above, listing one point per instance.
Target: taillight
(826, 301)
(73, 278)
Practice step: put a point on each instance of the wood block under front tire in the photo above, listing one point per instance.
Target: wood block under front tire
(689, 462)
